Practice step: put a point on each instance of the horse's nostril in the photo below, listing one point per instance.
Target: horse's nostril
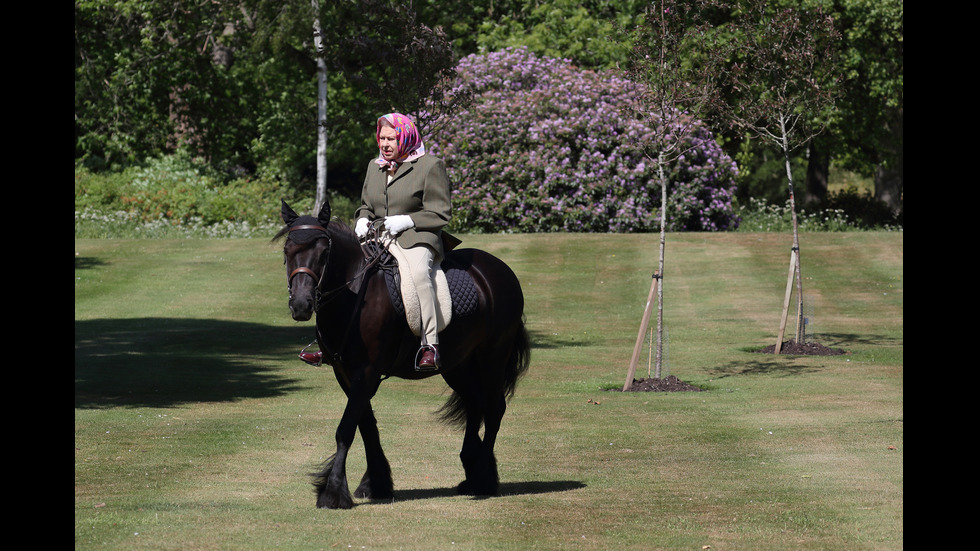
(301, 311)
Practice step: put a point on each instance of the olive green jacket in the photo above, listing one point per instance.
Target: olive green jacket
(419, 189)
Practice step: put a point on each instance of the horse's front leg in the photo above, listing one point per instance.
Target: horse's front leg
(331, 482)
(377, 483)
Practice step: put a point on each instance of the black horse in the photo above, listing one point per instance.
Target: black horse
(364, 338)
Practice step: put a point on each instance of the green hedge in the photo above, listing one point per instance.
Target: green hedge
(180, 190)
(178, 197)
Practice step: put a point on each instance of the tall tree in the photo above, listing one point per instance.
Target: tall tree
(866, 133)
(321, 112)
(148, 74)
(870, 128)
(235, 82)
(584, 32)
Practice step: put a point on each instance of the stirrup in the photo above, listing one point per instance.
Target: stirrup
(418, 358)
(304, 352)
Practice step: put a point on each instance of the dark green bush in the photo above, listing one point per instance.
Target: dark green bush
(863, 209)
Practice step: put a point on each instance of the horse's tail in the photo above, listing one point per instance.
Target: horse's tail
(519, 360)
(453, 412)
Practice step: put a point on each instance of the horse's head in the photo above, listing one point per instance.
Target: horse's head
(306, 253)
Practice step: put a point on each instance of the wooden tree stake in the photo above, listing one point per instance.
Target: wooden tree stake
(789, 294)
(643, 329)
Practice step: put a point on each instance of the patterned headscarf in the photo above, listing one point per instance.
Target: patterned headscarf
(410, 145)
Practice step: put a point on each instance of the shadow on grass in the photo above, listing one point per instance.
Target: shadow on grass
(506, 489)
(88, 262)
(543, 340)
(849, 341)
(163, 362)
(769, 364)
(772, 365)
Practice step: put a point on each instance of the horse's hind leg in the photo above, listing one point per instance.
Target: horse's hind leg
(479, 461)
(484, 408)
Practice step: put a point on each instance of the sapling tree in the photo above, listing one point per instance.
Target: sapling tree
(781, 85)
(677, 91)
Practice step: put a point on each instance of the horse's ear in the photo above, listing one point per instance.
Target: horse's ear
(324, 215)
(288, 215)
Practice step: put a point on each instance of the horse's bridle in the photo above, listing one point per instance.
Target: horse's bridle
(318, 278)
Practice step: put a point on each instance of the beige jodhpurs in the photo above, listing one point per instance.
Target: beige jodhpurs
(420, 259)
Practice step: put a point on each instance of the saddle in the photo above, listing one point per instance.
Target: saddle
(456, 294)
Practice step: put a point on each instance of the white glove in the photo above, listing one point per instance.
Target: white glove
(398, 223)
(361, 227)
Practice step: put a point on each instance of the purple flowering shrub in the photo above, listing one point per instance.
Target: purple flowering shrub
(702, 186)
(546, 146)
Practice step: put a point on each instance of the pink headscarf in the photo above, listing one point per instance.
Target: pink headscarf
(410, 145)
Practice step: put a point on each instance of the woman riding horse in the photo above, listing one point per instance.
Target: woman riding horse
(409, 191)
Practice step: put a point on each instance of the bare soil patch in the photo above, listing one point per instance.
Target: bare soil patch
(667, 384)
(793, 348)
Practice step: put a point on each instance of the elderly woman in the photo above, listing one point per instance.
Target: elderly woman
(409, 191)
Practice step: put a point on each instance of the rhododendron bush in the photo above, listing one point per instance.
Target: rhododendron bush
(546, 146)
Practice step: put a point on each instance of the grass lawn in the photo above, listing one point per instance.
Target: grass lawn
(196, 425)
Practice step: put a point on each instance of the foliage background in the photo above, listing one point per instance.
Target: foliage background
(232, 85)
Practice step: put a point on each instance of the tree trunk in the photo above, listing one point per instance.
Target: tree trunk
(796, 236)
(888, 186)
(321, 112)
(890, 174)
(817, 172)
(660, 273)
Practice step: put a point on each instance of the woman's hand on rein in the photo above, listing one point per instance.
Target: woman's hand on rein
(361, 228)
(398, 223)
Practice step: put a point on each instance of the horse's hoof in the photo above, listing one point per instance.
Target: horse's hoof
(369, 491)
(468, 488)
(324, 501)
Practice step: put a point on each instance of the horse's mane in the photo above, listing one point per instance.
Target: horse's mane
(343, 231)
(335, 228)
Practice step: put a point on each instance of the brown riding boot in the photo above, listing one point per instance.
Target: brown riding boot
(313, 358)
(430, 358)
